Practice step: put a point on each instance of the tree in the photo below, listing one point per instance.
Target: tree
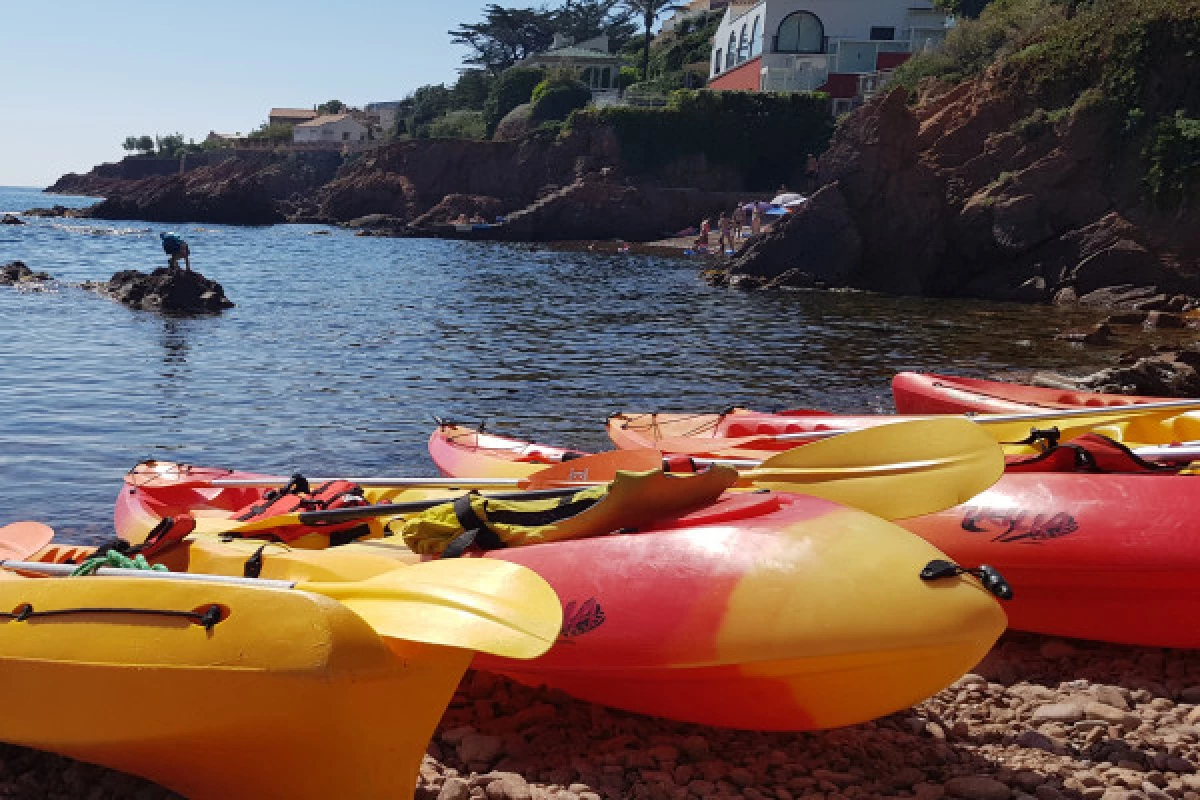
(331, 107)
(471, 90)
(170, 145)
(586, 19)
(649, 11)
(510, 90)
(130, 144)
(145, 144)
(505, 36)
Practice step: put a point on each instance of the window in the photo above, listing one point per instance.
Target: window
(882, 34)
(731, 51)
(743, 46)
(345, 136)
(717, 62)
(801, 32)
(755, 44)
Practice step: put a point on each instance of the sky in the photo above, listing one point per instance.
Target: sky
(77, 77)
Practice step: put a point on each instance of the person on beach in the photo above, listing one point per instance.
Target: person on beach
(756, 220)
(701, 243)
(811, 172)
(725, 233)
(739, 220)
(175, 247)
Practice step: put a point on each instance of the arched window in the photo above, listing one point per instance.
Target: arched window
(801, 32)
(743, 46)
(731, 51)
(755, 42)
(717, 62)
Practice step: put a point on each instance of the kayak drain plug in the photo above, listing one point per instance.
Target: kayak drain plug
(990, 577)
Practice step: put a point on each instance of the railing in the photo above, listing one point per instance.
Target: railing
(803, 77)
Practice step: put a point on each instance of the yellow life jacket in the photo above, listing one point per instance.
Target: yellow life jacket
(632, 500)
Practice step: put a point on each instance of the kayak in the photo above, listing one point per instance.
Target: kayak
(746, 434)
(764, 611)
(1111, 557)
(219, 690)
(928, 393)
(458, 451)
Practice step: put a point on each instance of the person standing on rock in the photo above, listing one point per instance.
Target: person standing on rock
(175, 247)
(725, 231)
(739, 220)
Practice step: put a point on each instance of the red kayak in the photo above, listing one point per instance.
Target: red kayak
(1112, 556)
(927, 393)
(766, 611)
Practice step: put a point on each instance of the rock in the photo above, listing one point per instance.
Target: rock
(53, 211)
(1038, 741)
(977, 787)
(1191, 694)
(1059, 712)
(480, 748)
(509, 786)
(374, 222)
(1163, 319)
(167, 290)
(15, 272)
(10, 219)
(454, 789)
(1113, 716)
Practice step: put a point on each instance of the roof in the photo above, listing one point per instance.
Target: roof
(575, 52)
(327, 119)
(293, 113)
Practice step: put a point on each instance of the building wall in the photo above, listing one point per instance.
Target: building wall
(331, 132)
(842, 19)
(745, 77)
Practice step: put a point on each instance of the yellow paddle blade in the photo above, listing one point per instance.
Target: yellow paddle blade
(895, 471)
(474, 603)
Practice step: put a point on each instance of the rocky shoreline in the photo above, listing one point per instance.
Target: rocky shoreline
(1040, 718)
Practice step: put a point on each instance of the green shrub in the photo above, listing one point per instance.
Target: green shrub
(458, 125)
(514, 87)
(1172, 156)
(556, 99)
(765, 137)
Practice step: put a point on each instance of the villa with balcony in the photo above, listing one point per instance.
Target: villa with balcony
(843, 47)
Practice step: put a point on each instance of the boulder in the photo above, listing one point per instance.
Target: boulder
(16, 272)
(53, 211)
(818, 244)
(167, 290)
(10, 219)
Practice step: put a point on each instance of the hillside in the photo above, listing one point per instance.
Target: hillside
(1062, 166)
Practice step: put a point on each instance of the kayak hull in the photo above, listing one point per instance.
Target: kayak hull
(1108, 557)
(202, 711)
(928, 393)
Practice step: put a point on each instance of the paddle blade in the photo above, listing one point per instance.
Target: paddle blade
(895, 471)
(597, 468)
(20, 540)
(478, 604)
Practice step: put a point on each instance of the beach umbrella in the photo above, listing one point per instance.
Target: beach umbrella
(787, 197)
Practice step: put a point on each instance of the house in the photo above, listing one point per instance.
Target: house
(222, 139)
(290, 116)
(332, 129)
(590, 61)
(819, 45)
(387, 112)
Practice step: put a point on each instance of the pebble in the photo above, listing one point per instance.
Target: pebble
(1039, 719)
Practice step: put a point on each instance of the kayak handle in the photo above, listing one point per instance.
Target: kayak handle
(988, 576)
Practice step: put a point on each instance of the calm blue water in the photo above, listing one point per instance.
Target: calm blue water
(342, 349)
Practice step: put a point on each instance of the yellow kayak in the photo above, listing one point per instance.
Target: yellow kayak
(219, 689)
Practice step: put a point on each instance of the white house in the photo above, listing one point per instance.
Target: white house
(589, 60)
(387, 112)
(330, 129)
(825, 45)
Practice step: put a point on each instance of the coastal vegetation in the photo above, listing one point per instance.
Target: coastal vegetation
(1132, 60)
(169, 146)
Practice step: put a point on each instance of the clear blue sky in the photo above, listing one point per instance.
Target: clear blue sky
(78, 76)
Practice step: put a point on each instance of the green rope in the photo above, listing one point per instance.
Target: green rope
(114, 559)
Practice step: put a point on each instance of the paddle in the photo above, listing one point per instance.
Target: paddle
(894, 471)
(22, 539)
(477, 604)
(576, 471)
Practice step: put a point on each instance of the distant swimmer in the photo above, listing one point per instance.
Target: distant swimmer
(176, 248)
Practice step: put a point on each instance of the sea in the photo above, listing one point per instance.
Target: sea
(343, 351)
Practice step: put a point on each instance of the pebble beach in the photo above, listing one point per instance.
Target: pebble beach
(1039, 718)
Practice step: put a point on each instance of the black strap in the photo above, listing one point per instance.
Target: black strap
(1048, 436)
(254, 564)
(475, 530)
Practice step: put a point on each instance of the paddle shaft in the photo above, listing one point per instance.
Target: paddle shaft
(389, 509)
(117, 572)
(381, 483)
